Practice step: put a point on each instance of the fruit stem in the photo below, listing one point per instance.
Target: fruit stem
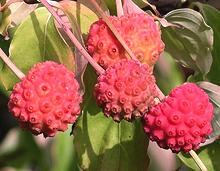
(161, 96)
(119, 7)
(12, 66)
(198, 160)
(72, 37)
(113, 29)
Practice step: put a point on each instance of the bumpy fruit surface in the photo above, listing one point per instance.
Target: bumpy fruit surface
(182, 121)
(126, 90)
(46, 100)
(139, 31)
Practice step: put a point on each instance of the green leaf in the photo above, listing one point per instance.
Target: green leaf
(208, 154)
(212, 17)
(191, 41)
(35, 40)
(5, 20)
(214, 95)
(62, 145)
(102, 144)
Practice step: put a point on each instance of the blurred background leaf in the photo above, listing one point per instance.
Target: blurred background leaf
(20, 150)
(168, 73)
(62, 153)
(212, 17)
(191, 41)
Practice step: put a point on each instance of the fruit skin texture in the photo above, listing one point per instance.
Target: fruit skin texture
(126, 90)
(140, 32)
(182, 121)
(46, 100)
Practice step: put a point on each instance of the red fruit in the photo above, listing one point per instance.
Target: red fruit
(46, 100)
(182, 126)
(140, 32)
(126, 90)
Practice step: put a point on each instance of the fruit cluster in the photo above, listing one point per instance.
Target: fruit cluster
(182, 121)
(126, 90)
(48, 98)
(140, 32)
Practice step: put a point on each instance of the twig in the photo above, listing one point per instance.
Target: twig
(198, 160)
(72, 37)
(119, 7)
(161, 96)
(12, 66)
(113, 29)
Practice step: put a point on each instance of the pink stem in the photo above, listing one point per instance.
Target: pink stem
(161, 96)
(120, 11)
(66, 29)
(12, 66)
(113, 29)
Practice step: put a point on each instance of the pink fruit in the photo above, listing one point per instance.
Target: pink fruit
(140, 32)
(126, 90)
(46, 100)
(182, 120)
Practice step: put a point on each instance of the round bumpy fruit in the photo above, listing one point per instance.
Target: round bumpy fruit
(46, 100)
(126, 90)
(182, 121)
(140, 32)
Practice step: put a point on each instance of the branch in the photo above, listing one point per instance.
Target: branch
(12, 66)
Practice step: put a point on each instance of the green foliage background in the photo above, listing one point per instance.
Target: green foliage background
(98, 142)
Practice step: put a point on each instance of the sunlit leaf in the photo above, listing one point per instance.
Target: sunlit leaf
(19, 11)
(130, 7)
